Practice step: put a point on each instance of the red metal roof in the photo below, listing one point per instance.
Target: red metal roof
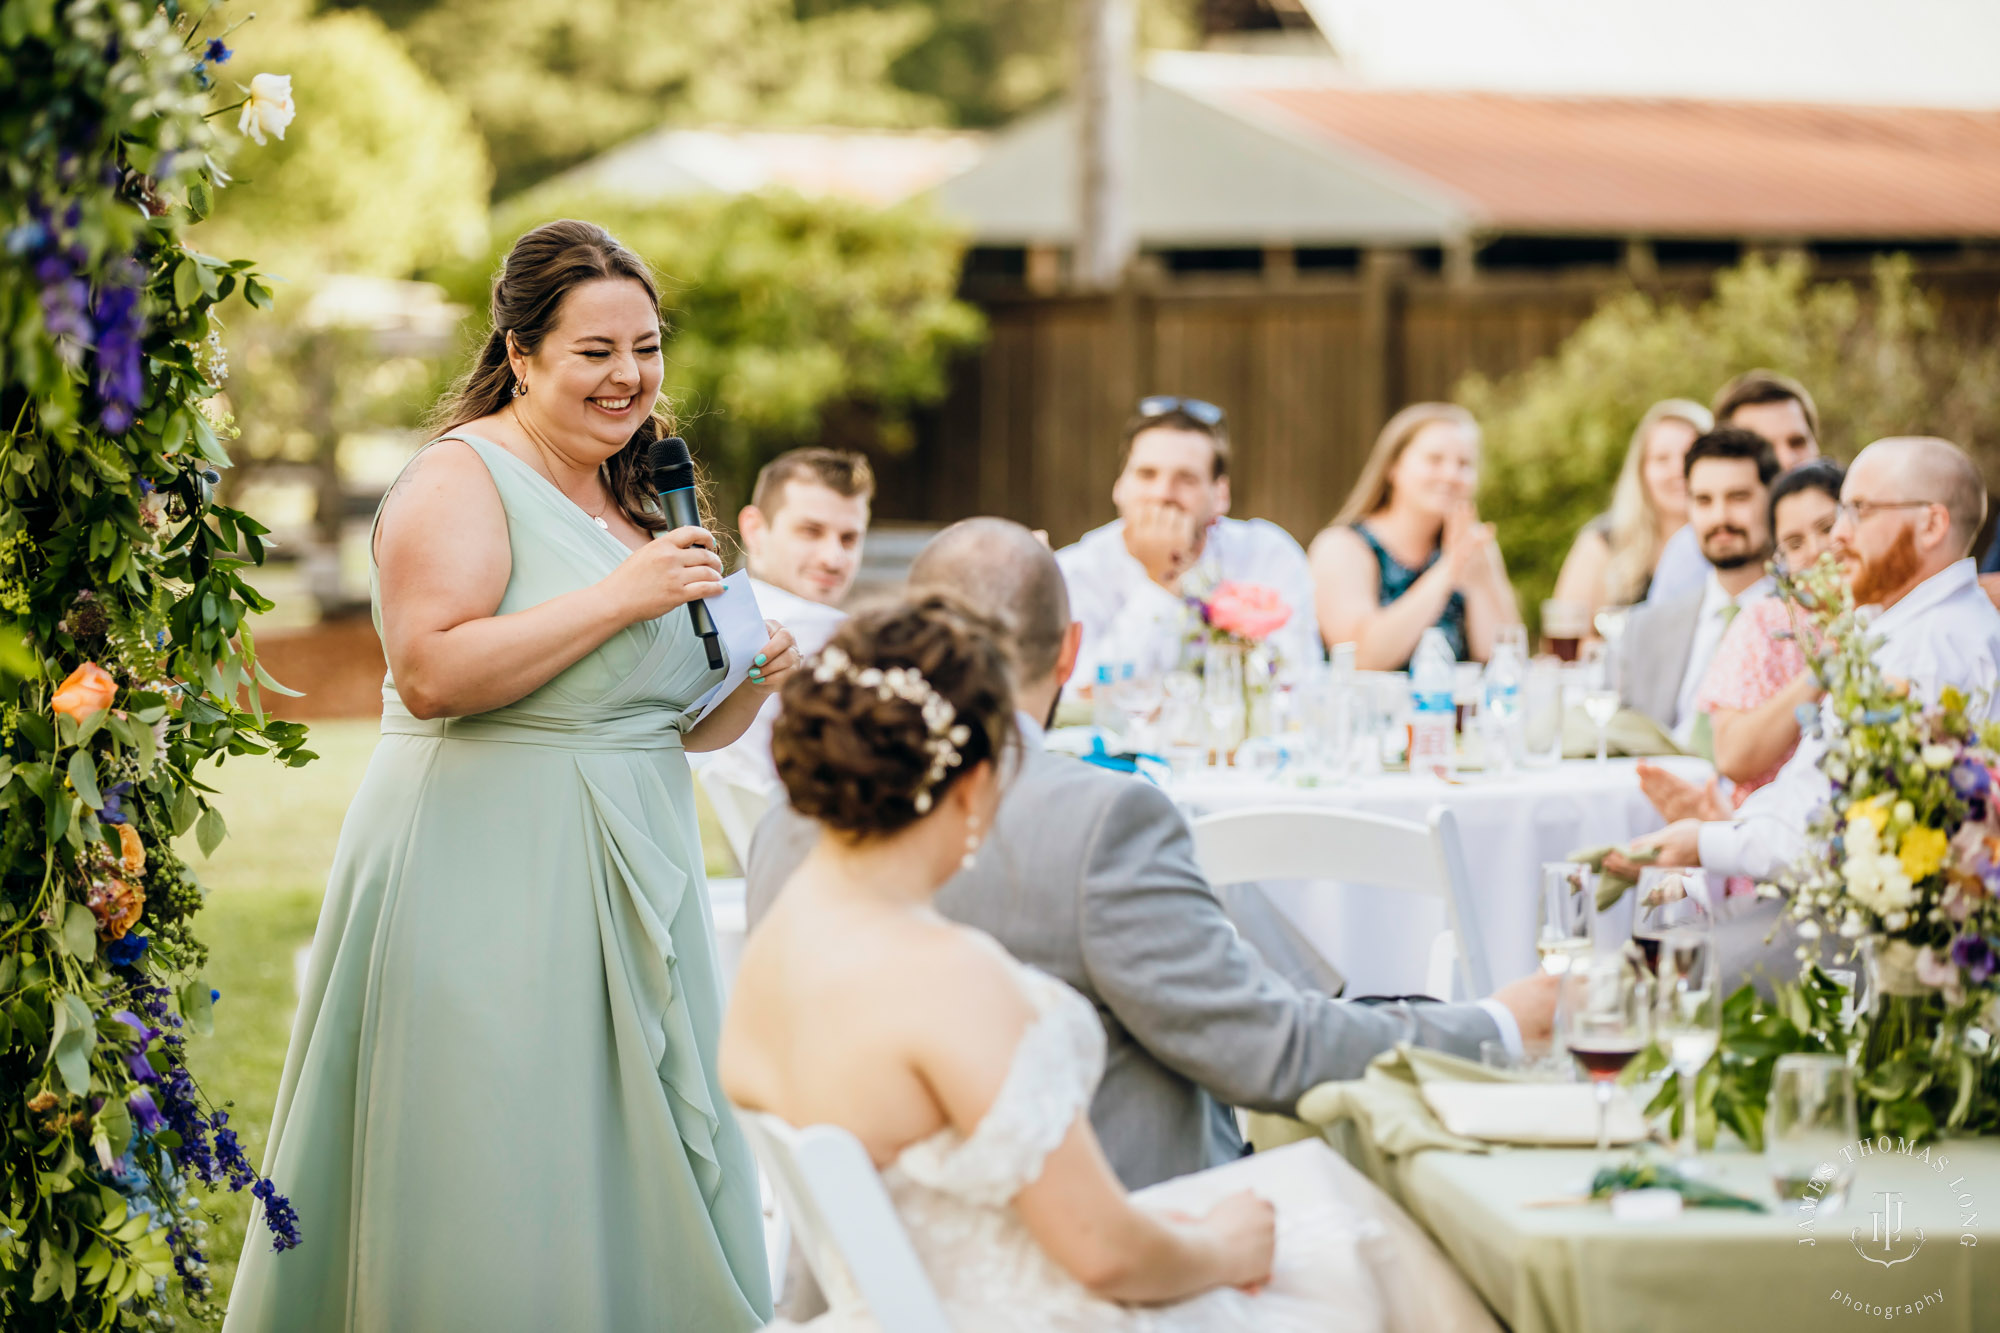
(1673, 167)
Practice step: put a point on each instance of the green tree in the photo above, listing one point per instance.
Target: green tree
(1877, 360)
(784, 314)
(550, 85)
(386, 176)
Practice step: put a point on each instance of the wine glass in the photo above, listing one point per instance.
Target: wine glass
(1138, 696)
(1604, 1011)
(1568, 915)
(1688, 1020)
(1600, 693)
(1665, 899)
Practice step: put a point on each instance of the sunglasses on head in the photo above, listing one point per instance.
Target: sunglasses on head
(1166, 404)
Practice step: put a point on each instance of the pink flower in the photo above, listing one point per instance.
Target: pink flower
(1249, 610)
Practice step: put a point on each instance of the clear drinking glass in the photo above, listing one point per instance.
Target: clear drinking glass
(1138, 696)
(1605, 1013)
(1542, 713)
(1568, 917)
(1810, 1117)
(1600, 694)
(1688, 1020)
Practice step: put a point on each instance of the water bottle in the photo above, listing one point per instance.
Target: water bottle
(1104, 713)
(1433, 715)
(1500, 705)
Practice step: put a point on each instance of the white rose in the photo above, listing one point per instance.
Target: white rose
(1939, 757)
(268, 107)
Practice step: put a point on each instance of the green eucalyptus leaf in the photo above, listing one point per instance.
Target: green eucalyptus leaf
(198, 1007)
(187, 283)
(39, 731)
(210, 830)
(186, 808)
(83, 776)
(79, 933)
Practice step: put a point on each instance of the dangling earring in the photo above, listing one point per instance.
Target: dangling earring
(971, 842)
(520, 388)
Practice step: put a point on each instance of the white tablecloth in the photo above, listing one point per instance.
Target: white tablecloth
(1509, 825)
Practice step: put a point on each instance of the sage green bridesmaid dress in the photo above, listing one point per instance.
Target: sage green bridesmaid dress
(500, 1109)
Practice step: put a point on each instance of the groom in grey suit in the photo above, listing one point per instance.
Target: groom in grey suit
(1090, 875)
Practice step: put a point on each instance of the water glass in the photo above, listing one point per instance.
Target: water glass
(1600, 694)
(1568, 915)
(1542, 714)
(1809, 1119)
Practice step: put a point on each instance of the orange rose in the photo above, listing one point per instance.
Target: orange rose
(132, 850)
(88, 689)
(117, 906)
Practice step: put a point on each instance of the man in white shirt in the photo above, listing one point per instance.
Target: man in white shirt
(1667, 644)
(1172, 539)
(802, 532)
(1778, 408)
(1910, 509)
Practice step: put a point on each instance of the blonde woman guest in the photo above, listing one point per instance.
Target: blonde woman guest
(1407, 551)
(1612, 561)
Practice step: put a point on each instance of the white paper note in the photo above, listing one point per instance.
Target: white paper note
(740, 624)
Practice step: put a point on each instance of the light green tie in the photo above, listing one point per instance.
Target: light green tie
(1702, 738)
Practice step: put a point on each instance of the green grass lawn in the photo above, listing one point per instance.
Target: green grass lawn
(265, 884)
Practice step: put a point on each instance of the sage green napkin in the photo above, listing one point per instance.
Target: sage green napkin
(1385, 1102)
(1611, 886)
(1631, 734)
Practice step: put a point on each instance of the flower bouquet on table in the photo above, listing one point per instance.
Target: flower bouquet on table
(1230, 649)
(1902, 869)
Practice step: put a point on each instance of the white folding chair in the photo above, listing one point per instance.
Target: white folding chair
(739, 800)
(1313, 842)
(842, 1217)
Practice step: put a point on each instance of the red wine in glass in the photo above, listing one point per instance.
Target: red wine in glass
(1565, 647)
(1602, 1059)
(1649, 946)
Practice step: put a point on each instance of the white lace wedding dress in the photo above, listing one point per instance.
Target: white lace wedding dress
(1348, 1260)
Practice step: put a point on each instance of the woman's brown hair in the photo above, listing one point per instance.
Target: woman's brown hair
(1371, 493)
(855, 757)
(540, 272)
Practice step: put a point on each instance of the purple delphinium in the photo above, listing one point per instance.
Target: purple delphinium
(114, 803)
(216, 53)
(208, 1150)
(1970, 779)
(120, 325)
(1976, 954)
(146, 1112)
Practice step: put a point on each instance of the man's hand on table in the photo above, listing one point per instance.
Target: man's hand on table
(1676, 798)
(1532, 1001)
(1679, 845)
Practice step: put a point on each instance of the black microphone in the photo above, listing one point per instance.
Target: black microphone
(673, 477)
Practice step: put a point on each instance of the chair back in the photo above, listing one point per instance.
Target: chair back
(1376, 851)
(739, 801)
(843, 1219)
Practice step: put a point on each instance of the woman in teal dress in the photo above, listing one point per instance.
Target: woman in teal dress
(500, 1108)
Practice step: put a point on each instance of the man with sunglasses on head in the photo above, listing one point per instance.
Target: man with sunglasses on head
(1909, 510)
(1173, 539)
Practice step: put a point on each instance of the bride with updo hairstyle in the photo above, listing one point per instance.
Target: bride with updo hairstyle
(860, 738)
(967, 1075)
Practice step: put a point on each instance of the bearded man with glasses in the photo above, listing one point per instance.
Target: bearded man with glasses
(1173, 539)
(1909, 511)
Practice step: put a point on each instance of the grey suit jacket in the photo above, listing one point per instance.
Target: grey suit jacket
(1090, 876)
(1653, 656)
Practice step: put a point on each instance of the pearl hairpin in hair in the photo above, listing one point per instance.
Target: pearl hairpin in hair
(945, 735)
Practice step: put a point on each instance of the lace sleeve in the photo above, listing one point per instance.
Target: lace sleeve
(1051, 1080)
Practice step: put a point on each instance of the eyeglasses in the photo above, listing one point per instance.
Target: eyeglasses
(1165, 404)
(1857, 512)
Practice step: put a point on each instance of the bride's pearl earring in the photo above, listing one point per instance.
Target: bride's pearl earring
(971, 843)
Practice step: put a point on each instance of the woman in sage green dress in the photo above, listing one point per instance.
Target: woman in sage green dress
(500, 1108)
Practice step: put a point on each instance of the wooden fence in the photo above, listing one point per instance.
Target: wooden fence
(1308, 371)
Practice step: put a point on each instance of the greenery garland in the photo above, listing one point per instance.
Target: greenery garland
(126, 658)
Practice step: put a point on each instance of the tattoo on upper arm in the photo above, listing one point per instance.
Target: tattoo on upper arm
(410, 469)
